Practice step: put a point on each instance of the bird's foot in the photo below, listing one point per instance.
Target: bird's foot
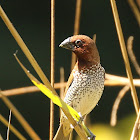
(81, 118)
(79, 122)
(89, 134)
(92, 136)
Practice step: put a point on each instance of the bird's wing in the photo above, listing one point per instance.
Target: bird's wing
(70, 79)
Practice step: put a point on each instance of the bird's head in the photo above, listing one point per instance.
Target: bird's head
(84, 48)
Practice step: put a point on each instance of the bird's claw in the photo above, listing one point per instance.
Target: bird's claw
(91, 137)
(81, 118)
(78, 122)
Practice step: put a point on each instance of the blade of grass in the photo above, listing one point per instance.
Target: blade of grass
(25, 49)
(69, 111)
(12, 128)
(52, 66)
(124, 54)
(50, 94)
(20, 118)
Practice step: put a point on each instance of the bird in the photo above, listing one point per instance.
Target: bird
(86, 82)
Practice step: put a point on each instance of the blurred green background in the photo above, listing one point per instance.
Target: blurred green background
(32, 21)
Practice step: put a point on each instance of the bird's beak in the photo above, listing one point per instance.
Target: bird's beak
(67, 44)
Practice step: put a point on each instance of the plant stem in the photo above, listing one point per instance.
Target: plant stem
(52, 65)
(124, 54)
(76, 28)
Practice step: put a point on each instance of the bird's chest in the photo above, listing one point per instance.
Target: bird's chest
(86, 90)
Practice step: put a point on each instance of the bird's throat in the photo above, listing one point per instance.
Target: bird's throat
(84, 64)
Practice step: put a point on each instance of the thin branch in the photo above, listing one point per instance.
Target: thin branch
(12, 128)
(20, 91)
(135, 10)
(132, 55)
(62, 88)
(94, 38)
(26, 51)
(62, 80)
(77, 17)
(20, 118)
(115, 107)
(135, 132)
(76, 28)
(111, 80)
(52, 66)
(1, 138)
(9, 125)
(124, 54)
(138, 3)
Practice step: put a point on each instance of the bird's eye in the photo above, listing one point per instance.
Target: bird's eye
(78, 43)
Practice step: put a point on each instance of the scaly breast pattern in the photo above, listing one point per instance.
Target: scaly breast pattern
(86, 89)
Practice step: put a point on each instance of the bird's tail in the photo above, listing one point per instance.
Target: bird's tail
(60, 135)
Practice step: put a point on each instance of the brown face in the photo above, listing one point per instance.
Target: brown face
(84, 48)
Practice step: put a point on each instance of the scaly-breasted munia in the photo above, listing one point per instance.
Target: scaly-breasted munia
(86, 82)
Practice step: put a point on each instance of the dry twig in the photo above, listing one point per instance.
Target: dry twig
(20, 91)
(136, 128)
(76, 28)
(9, 125)
(1, 138)
(20, 118)
(52, 66)
(94, 38)
(26, 51)
(132, 55)
(62, 80)
(124, 54)
(111, 80)
(115, 107)
(138, 3)
(12, 128)
(135, 10)
(62, 88)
